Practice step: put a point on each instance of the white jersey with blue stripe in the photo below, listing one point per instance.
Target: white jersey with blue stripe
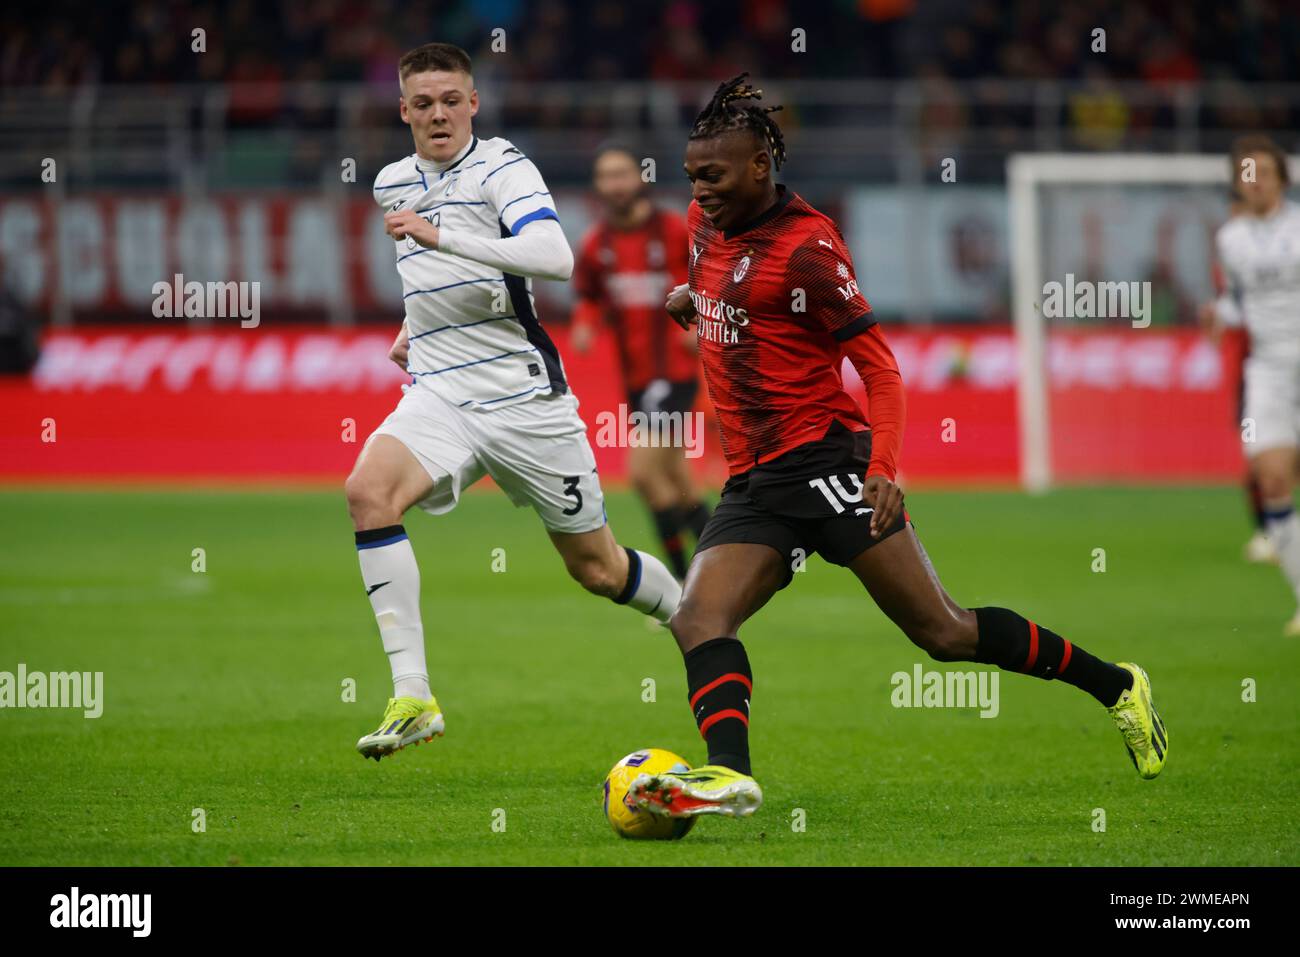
(1261, 257)
(475, 338)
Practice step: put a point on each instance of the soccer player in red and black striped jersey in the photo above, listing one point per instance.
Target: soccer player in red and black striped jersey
(627, 264)
(776, 307)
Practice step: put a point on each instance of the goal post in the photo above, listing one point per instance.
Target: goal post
(1027, 176)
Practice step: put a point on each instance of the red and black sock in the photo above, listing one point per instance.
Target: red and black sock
(1017, 644)
(695, 518)
(668, 525)
(717, 674)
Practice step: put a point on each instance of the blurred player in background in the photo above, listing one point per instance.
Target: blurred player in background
(627, 265)
(1260, 253)
(1222, 319)
(808, 474)
(472, 221)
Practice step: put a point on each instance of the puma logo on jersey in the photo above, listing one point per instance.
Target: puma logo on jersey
(864, 511)
(695, 254)
(825, 243)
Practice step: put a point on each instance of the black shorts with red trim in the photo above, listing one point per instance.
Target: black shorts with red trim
(808, 500)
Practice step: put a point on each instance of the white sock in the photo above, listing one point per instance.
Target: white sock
(392, 579)
(1284, 529)
(651, 588)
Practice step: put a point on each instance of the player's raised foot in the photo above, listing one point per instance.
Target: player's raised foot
(1260, 550)
(1140, 724)
(710, 789)
(406, 721)
(1292, 628)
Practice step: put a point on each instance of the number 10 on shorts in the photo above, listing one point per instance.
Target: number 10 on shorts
(840, 496)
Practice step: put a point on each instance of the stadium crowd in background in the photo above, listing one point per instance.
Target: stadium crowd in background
(276, 56)
(1156, 41)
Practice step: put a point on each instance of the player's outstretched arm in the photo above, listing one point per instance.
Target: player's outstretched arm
(1224, 310)
(517, 196)
(875, 363)
(582, 326)
(823, 266)
(540, 250)
(588, 293)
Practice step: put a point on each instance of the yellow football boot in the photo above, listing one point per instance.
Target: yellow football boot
(406, 721)
(1139, 722)
(710, 789)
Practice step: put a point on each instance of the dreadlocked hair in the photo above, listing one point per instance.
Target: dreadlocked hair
(722, 115)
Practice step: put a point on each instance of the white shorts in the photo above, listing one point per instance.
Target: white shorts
(1272, 404)
(537, 451)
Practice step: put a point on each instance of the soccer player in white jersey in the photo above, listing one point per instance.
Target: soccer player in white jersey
(1221, 319)
(473, 221)
(1260, 254)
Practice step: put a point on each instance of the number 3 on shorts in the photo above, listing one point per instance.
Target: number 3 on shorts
(571, 489)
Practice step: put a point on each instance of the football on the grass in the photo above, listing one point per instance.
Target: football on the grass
(635, 822)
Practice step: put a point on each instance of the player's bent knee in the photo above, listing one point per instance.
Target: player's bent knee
(692, 628)
(1274, 486)
(369, 504)
(938, 645)
(359, 492)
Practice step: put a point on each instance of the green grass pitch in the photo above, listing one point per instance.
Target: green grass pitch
(224, 691)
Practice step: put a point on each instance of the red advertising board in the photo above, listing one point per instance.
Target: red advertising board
(163, 403)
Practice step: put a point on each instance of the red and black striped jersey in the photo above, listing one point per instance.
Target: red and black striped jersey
(775, 302)
(624, 276)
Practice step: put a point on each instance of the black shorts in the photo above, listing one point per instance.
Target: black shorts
(807, 500)
(662, 395)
